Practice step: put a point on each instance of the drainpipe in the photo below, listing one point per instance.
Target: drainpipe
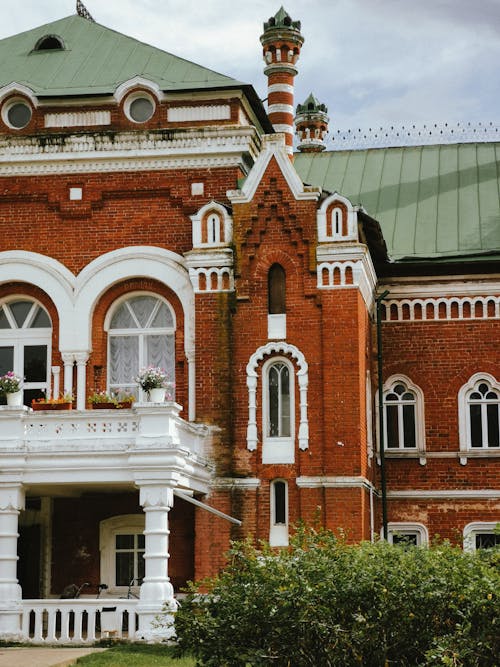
(383, 485)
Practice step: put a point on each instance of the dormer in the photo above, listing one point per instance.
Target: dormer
(212, 226)
(337, 220)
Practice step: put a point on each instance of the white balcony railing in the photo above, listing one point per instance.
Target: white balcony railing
(104, 446)
(79, 621)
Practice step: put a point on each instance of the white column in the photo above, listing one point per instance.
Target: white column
(56, 381)
(157, 593)
(68, 360)
(11, 502)
(81, 359)
(191, 385)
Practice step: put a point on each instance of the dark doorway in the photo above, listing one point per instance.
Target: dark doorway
(28, 565)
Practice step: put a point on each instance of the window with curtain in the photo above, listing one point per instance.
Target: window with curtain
(141, 334)
(25, 345)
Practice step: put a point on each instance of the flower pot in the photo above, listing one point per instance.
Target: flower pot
(15, 398)
(124, 405)
(104, 406)
(51, 406)
(157, 395)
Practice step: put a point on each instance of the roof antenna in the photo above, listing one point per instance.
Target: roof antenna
(82, 11)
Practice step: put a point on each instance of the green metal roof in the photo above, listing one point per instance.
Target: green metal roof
(95, 61)
(432, 202)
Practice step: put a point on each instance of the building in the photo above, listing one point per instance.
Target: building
(153, 213)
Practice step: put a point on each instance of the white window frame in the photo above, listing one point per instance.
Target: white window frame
(18, 338)
(277, 449)
(478, 528)
(464, 416)
(141, 333)
(404, 528)
(404, 452)
(125, 524)
(278, 532)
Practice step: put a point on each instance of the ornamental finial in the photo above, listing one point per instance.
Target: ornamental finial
(82, 11)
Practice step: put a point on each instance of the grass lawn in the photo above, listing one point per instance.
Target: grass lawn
(135, 655)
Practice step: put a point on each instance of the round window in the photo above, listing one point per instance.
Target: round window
(17, 115)
(141, 109)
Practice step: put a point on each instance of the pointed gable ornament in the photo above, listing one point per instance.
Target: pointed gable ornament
(82, 11)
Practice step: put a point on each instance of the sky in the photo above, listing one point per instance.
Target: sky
(374, 63)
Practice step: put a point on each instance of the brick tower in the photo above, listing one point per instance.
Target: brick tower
(281, 42)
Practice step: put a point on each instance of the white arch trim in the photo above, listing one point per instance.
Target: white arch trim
(135, 83)
(463, 413)
(162, 265)
(302, 376)
(49, 274)
(20, 89)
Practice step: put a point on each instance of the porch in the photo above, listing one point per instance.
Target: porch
(148, 453)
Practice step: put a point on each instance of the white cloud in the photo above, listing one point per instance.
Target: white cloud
(370, 61)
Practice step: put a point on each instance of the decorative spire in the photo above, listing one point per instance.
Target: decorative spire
(82, 11)
(281, 42)
(311, 125)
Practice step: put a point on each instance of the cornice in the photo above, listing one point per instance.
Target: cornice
(127, 151)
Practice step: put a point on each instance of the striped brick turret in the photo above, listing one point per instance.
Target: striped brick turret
(281, 42)
(311, 123)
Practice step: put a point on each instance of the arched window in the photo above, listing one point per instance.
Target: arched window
(404, 428)
(276, 290)
(141, 333)
(278, 410)
(213, 228)
(278, 422)
(482, 413)
(25, 345)
(278, 534)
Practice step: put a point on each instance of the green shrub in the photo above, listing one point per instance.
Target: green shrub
(323, 603)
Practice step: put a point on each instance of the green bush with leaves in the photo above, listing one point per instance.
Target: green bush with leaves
(324, 603)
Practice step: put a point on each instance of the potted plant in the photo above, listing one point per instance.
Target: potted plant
(125, 399)
(11, 385)
(64, 402)
(100, 400)
(154, 381)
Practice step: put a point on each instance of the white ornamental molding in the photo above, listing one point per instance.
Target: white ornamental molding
(273, 146)
(212, 280)
(77, 119)
(441, 308)
(127, 151)
(346, 267)
(194, 113)
(302, 377)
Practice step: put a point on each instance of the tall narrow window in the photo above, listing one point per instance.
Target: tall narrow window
(278, 535)
(277, 412)
(279, 401)
(141, 333)
(484, 415)
(25, 345)
(276, 290)
(213, 228)
(400, 417)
